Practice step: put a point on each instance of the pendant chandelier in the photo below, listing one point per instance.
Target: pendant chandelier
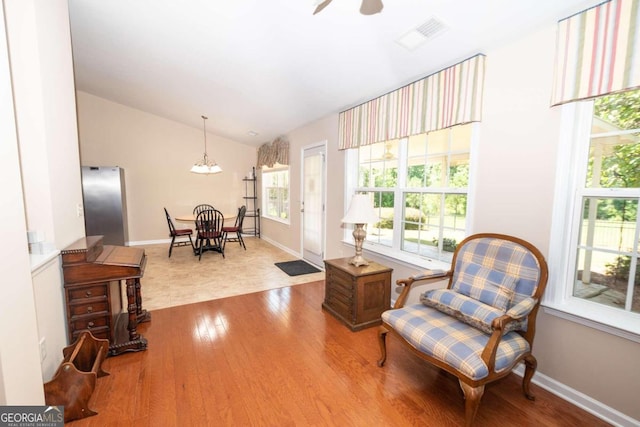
(204, 166)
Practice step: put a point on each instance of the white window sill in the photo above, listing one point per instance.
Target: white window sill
(610, 320)
(411, 261)
(274, 219)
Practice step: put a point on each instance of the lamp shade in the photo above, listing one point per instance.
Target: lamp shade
(360, 211)
(204, 166)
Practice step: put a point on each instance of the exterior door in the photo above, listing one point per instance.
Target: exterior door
(313, 202)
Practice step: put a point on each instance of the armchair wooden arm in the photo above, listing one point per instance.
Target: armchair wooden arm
(408, 283)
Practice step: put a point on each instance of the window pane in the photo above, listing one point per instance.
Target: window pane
(275, 188)
(435, 172)
(416, 154)
(599, 278)
(382, 232)
(614, 149)
(604, 271)
(459, 171)
(418, 234)
(461, 138)
(613, 161)
(438, 141)
(455, 214)
(609, 223)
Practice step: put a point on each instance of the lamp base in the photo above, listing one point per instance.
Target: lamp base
(358, 260)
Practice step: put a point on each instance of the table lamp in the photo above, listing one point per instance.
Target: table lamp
(360, 212)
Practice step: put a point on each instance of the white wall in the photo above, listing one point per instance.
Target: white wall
(44, 112)
(20, 373)
(156, 155)
(41, 188)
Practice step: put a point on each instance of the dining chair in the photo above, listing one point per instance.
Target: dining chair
(236, 228)
(209, 223)
(181, 232)
(201, 208)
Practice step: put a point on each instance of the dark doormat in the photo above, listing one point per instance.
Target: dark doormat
(296, 268)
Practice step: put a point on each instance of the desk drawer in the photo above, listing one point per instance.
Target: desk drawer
(90, 322)
(94, 307)
(86, 292)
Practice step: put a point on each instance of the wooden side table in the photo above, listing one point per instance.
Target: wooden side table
(356, 296)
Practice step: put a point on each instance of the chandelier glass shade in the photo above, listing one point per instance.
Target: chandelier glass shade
(205, 166)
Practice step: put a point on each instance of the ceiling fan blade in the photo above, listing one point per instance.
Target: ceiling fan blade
(371, 7)
(322, 5)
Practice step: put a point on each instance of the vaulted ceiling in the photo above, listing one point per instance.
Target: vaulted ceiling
(271, 66)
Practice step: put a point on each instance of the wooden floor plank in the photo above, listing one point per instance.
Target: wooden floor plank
(275, 358)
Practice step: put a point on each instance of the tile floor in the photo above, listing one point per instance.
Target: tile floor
(182, 279)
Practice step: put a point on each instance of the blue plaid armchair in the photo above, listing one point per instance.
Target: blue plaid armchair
(483, 323)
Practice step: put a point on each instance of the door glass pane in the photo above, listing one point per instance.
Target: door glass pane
(312, 220)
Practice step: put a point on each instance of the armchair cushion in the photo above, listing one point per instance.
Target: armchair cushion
(466, 309)
(452, 341)
(489, 286)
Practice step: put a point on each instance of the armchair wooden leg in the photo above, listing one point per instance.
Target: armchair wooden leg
(472, 396)
(382, 335)
(530, 366)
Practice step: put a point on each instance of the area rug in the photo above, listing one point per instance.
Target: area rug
(296, 268)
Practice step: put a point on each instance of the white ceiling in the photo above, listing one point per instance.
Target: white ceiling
(271, 66)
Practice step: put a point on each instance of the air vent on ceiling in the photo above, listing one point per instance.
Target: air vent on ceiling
(428, 30)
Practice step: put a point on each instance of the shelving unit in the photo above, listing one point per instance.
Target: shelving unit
(251, 202)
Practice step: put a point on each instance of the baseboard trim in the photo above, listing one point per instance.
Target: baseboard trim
(281, 247)
(581, 400)
(151, 242)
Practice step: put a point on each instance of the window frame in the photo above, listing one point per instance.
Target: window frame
(395, 252)
(571, 167)
(265, 199)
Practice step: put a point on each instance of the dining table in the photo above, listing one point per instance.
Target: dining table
(191, 218)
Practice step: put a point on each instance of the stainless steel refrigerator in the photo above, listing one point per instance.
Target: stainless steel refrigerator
(105, 209)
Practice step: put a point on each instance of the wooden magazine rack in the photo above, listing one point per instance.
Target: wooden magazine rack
(74, 381)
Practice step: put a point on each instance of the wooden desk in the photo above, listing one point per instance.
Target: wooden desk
(93, 275)
(357, 296)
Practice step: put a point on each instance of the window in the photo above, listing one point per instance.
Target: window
(599, 266)
(275, 194)
(419, 189)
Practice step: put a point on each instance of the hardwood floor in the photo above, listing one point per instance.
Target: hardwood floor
(275, 358)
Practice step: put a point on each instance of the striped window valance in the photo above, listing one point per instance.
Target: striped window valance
(271, 153)
(598, 52)
(450, 97)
